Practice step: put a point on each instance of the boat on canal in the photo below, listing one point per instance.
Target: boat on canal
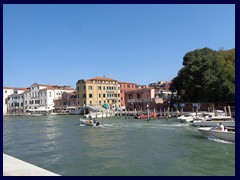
(226, 135)
(188, 117)
(89, 122)
(145, 116)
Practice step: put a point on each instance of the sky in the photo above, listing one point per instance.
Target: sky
(137, 43)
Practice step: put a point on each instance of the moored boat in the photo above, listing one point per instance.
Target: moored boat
(211, 123)
(145, 116)
(228, 135)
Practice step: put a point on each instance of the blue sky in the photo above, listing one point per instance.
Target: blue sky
(139, 43)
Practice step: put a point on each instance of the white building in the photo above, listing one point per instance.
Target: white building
(49, 94)
(15, 103)
(40, 97)
(13, 100)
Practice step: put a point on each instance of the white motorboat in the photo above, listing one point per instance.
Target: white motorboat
(211, 123)
(99, 114)
(188, 117)
(228, 135)
(88, 123)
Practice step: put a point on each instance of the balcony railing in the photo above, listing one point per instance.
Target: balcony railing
(138, 100)
(111, 90)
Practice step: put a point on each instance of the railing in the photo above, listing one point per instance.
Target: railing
(138, 100)
(111, 97)
(111, 90)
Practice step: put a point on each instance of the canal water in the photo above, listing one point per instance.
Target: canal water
(118, 147)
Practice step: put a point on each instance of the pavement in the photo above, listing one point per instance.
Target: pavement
(16, 167)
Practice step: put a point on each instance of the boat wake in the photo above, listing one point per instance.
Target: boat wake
(219, 140)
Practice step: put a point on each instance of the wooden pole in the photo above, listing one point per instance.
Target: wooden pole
(225, 110)
(154, 113)
(230, 113)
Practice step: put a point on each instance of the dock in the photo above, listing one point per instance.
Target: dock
(16, 167)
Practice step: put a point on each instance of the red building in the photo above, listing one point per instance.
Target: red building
(125, 86)
(66, 103)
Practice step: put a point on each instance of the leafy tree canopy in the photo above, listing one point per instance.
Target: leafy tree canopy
(206, 76)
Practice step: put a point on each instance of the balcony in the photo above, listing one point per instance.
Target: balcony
(111, 91)
(111, 97)
(138, 100)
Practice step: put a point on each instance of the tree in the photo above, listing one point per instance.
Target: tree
(206, 76)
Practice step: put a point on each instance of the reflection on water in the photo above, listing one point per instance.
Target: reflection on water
(116, 147)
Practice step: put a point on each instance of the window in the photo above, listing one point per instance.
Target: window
(104, 95)
(99, 88)
(104, 87)
(50, 94)
(89, 87)
(5, 91)
(90, 102)
(99, 102)
(90, 95)
(99, 95)
(84, 95)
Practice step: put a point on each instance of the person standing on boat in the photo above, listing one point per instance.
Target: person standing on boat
(94, 121)
(220, 126)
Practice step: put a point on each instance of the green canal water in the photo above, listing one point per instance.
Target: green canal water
(118, 147)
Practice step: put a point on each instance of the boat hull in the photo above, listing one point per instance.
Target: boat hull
(224, 135)
(213, 123)
(86, 122)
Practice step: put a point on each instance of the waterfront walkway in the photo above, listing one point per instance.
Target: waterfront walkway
(16, 167)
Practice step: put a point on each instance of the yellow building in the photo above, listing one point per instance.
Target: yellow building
(98, 91)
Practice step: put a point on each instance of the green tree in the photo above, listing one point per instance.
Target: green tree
(206, 76)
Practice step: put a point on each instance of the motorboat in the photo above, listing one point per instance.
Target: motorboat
(88, 122)
(145, 116)
(100, 114)
(188, 117)
(228, 135)
(211, 123)
(213, 118)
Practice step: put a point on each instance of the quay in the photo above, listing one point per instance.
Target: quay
(16, 167)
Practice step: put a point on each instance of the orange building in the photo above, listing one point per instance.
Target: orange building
(125, 86)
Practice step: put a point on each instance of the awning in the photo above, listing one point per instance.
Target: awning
(105, 105)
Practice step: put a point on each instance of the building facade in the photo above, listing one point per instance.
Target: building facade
(12, 100)
(125, 86)
(150, 97)
(36, 97)
(67, 103)
(98, 91)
